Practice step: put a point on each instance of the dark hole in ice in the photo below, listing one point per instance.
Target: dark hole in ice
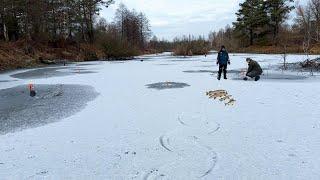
(167, 85)
(52, 103)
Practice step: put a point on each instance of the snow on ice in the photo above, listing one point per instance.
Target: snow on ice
(125, 130)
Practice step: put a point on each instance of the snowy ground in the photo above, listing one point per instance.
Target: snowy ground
(138, 129)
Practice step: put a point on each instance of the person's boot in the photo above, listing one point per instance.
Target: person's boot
(219, 75)
(246, 79)
(257, 78)
(225, 76)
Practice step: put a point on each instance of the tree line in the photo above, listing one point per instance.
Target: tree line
(61, 23)
(127, 35)
(264, 23)
(181, 46)
(49, 20)
(76, 24)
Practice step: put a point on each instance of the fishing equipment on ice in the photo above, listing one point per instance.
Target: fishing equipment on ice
(32, 90)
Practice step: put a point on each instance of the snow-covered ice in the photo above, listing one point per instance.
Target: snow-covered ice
(131, 131)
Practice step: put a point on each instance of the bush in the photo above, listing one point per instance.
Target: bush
(117, 49)
(187, 47)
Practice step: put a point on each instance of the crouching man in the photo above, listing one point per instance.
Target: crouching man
(254, 70)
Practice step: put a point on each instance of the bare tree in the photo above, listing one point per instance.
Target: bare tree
(3, 21)
(305, 20)
(284, 37)
(315, 10)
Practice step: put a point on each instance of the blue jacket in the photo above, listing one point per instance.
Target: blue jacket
(223, 58)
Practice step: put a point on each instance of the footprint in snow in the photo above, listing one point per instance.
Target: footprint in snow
(194, 159)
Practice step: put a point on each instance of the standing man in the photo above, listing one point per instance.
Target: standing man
(254, 70)
(223, 60)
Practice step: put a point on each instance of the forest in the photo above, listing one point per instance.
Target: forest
(39, 30)
(34, 30)
(266, 27)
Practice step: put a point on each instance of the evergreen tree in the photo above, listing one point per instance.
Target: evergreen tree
(251, 19)
(278, 11)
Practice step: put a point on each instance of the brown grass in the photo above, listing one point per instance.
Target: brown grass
(14, 55)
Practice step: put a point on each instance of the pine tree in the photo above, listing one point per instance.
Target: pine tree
(278, 11)
(251, 19)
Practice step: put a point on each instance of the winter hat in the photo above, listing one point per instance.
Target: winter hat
(248, 59)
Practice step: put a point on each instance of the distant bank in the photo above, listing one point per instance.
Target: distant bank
(16, 56)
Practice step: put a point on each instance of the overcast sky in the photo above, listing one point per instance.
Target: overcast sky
(171, 18)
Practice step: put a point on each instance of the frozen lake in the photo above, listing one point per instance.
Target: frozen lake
(152, 119)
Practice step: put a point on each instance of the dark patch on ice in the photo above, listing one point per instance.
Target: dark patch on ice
(41, 73)
(167, 85)
(79, 69)
(85, 72)
(53, 102)
(165, 64)
(199, 71)
(183, 60)
(278, 77)
(212, 71)
(117, 62)
(88, 64)
(51, 72)
(238, 71)
(206, 66)
(3, 81)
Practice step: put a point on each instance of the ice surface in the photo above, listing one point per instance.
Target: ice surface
(134, 132)
(53, 102)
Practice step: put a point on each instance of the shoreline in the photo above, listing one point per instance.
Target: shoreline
(59, 62)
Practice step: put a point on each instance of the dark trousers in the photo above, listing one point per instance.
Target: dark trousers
(222, 68)
(253, 74)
